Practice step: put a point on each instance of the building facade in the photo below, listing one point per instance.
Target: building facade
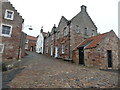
(69, 33)
(30, 43)
(10, 32)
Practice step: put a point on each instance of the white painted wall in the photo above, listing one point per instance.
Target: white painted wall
(40, 43)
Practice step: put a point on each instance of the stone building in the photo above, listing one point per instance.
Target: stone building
(69, 33)
(10, 33)
(30, 43)
(99, 51)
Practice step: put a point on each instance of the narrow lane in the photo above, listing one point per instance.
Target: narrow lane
(41, 71)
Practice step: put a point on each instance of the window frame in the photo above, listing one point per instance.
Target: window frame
(65, 33)
(77, 30)
(6, 13)
(6, 35)
(86, 31)
(2, 48)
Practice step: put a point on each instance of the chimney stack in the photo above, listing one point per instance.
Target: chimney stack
(83, 8)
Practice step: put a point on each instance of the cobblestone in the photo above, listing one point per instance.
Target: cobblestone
(41, 71)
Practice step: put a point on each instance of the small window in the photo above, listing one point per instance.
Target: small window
(27, 41)
(85, 31)
(62, 48)
(52, 37)
(1, 48)
(65, 31)
(6, 30)
(77, 29)
(58, 35)
(26, 46)
(9, 14)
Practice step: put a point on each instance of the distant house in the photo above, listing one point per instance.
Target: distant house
(100, 51)
(40, 42)
(10, 33)
(30, 43)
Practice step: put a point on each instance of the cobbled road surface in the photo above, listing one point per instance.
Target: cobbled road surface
(41, 71)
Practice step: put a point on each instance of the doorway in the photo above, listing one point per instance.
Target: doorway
(81, 55)
(56, 52)
(109, 57)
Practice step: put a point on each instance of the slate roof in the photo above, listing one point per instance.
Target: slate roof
(91, 42)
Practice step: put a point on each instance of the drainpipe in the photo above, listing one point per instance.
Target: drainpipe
(69, 23)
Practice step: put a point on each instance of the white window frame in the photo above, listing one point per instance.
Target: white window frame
(5, 35)
(63, 49)
(6, 12)
(2, 48)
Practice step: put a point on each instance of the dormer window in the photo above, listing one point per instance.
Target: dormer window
(77, 29)
(9, 14)
(6, 30)
(1, 48)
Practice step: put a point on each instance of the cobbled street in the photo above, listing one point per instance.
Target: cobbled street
(41, 71)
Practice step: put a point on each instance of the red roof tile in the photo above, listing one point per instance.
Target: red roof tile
(31, 37)
(92, 41)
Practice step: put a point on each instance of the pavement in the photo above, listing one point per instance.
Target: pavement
(41, 71)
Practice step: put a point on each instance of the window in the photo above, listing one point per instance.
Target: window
(65, 31)
(85, 31)
(52, 37)
(26, 46)
(58, 35)
(6, 30)
(27, 41)
(62, 48)
(77, 29)
(1, 48)
(9, 14)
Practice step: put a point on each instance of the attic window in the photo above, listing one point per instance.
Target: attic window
(1, 48)
(65, 31)
(85, 31)
(9, 14)
(77, 29)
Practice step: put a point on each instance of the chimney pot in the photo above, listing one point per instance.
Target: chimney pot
(83, 8)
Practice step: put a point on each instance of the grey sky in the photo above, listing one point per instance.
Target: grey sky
(46, 13)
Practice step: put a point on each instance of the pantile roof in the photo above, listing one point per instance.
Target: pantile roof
(31, 37)
(91, 42)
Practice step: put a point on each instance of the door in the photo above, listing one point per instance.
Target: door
(109, 57)
(51, 50)
(81, 55)
(56, 52)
